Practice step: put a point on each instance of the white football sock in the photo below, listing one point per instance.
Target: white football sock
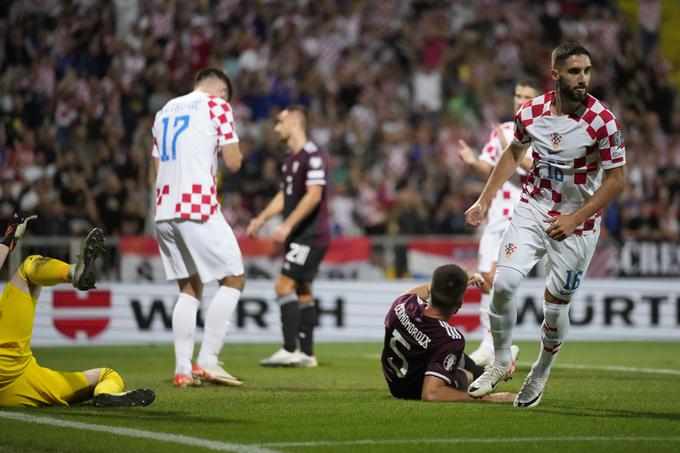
(487, 339)
(183, 328)
(217, 322)
(553, 333)
(503, 313)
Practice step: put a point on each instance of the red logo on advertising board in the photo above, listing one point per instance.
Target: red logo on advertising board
(469, 322)
(92, 326)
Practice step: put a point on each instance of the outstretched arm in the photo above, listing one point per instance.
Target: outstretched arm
(4, 252)
(507, 165)
(232, 157)
(274, 207)
(423, 291)
(479, 168)
(307, 204)
(437, 390)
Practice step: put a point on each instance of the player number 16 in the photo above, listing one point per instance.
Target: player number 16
(555, 173)
(573, 280)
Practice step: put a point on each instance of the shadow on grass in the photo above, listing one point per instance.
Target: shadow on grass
(609, 413)
(142, 414)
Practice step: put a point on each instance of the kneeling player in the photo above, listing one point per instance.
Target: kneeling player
(22, 381)
(423, 355)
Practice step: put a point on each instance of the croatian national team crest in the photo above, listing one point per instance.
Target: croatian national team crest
(509, 249)
(449, 362)
(555, 139)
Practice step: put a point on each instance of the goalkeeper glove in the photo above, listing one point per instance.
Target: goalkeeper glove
(15, 230)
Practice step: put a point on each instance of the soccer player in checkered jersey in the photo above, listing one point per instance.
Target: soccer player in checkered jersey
(305, 233)
(579, 159)
(500, 210)
(197, 245)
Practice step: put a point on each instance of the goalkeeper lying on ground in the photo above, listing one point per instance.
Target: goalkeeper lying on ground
(22, 381)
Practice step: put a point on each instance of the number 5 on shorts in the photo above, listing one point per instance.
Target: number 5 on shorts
(398, 338)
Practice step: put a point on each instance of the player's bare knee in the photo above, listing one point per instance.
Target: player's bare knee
(554, 300)
(304, 291)
(284, 285)
(238, 282)
(306, 299)
(192, 286)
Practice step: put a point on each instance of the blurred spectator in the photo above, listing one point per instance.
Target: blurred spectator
(52, 220)
(342, 212)
(110, 200)
(390, 86)
(8, 196)
(412, 212)
(450, 216)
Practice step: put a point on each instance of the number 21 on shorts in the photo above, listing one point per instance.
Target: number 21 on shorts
(183, 123)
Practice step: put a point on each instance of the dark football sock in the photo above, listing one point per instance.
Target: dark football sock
(307, 324)
(290, 320)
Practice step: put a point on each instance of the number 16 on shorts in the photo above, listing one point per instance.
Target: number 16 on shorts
(573, 280)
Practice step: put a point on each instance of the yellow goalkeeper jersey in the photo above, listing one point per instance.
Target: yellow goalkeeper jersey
(17, 310)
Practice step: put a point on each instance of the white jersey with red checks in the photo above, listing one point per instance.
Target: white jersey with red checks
(187, 134)
(570, 153)
(504, 202)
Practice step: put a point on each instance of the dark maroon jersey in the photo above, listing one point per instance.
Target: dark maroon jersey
(307, 167)
(417, 345)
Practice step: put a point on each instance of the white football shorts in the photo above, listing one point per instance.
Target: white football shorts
(489, 244)
(525, 242)
(190, 247)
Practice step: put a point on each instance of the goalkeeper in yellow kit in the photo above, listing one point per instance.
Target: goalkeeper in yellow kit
(22, 381)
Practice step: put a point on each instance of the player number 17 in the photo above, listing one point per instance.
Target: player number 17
(183, 123)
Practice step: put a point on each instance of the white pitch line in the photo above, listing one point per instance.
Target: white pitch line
(129, 432)
(575, 366)
(625, 369)
(485, 440)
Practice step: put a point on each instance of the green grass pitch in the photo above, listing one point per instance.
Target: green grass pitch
(344, 405)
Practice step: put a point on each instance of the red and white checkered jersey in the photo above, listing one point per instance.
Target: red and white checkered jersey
(503, 204)
(187, 134)
(570, 153)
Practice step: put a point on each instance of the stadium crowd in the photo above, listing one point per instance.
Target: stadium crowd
(391, 86)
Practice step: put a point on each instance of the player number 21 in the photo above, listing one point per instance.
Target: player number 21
(398, 338)
(183, 123)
